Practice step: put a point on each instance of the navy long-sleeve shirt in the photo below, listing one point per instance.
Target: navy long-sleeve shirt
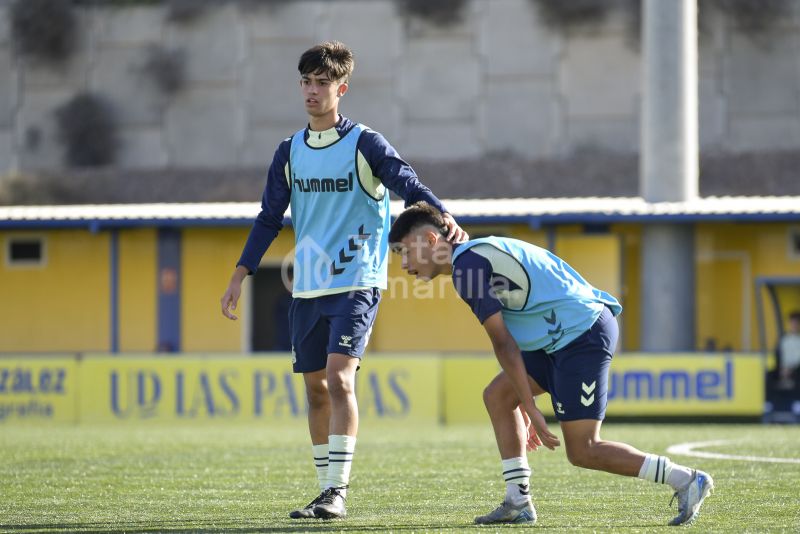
(373, 150)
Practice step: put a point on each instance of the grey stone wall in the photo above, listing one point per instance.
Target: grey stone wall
(498, 81)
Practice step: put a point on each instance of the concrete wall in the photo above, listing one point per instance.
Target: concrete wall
(498, 80)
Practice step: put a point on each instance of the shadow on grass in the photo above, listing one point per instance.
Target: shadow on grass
(190, 526)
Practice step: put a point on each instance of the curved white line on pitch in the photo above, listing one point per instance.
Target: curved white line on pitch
(687, 449)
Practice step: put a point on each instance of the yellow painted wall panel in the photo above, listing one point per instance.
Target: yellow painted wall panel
(63, 305)
(208, 258)
(525, 233)
(630, 292)
(771, 257)
(723, 283)
(760, 249)
(596, 257)
(138, 258)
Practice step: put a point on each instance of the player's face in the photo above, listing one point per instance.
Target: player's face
(321, 94)
(416, 252)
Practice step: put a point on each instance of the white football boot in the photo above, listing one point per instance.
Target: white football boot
(691, 497)
(509, 513)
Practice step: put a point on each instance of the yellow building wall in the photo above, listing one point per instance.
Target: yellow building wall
(630, 293)
(598, 258)
(138, 251)
(526, 233)
(62, 305)
(771, 257)
(730, 257)
(208, 258)
(722, 284)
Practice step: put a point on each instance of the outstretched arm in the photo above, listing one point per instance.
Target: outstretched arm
(400, 178)
(508, 355)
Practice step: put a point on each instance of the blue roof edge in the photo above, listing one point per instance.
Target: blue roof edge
(533, 221)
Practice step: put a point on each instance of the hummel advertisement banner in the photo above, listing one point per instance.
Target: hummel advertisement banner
(669, 385)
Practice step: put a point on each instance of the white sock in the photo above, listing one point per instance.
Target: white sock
(321, 463)
(340, 458)
(679, 477)
(660, 469)
(517, 475)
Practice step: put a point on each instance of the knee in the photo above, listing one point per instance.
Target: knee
(582, 455)
(489, 397)
(317, 395)
(495, 398)
(340, 386)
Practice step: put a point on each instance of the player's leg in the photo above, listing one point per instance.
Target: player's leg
(510, 433)
(343, 428)
(585, 448)
(319, 416)
(341, 379)
(309, 356)
(350, 317)
(580, 388)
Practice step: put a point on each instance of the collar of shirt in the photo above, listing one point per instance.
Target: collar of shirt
(327, 137)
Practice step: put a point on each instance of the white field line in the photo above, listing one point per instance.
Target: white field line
(688, 449)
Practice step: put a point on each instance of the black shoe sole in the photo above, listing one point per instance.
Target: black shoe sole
(300, 514)
(325, 514)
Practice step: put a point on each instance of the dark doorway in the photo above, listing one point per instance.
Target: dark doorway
(270, 303)
(778, 304)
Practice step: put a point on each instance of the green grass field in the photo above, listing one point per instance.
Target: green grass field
(405, 479)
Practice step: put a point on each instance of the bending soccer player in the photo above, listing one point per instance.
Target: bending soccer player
(335, 174)
(551, 332)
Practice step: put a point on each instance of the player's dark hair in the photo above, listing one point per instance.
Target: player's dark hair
(419, 214)
(795, 315)
(331, 57)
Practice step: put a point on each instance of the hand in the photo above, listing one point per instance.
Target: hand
(538, 433)
(230, 299)
(532, 441)
(455, 233)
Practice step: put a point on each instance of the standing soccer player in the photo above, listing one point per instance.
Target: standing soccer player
(335, 174)
(551, 332)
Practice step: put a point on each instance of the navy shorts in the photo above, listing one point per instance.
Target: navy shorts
(577, 375)
(339, 323)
